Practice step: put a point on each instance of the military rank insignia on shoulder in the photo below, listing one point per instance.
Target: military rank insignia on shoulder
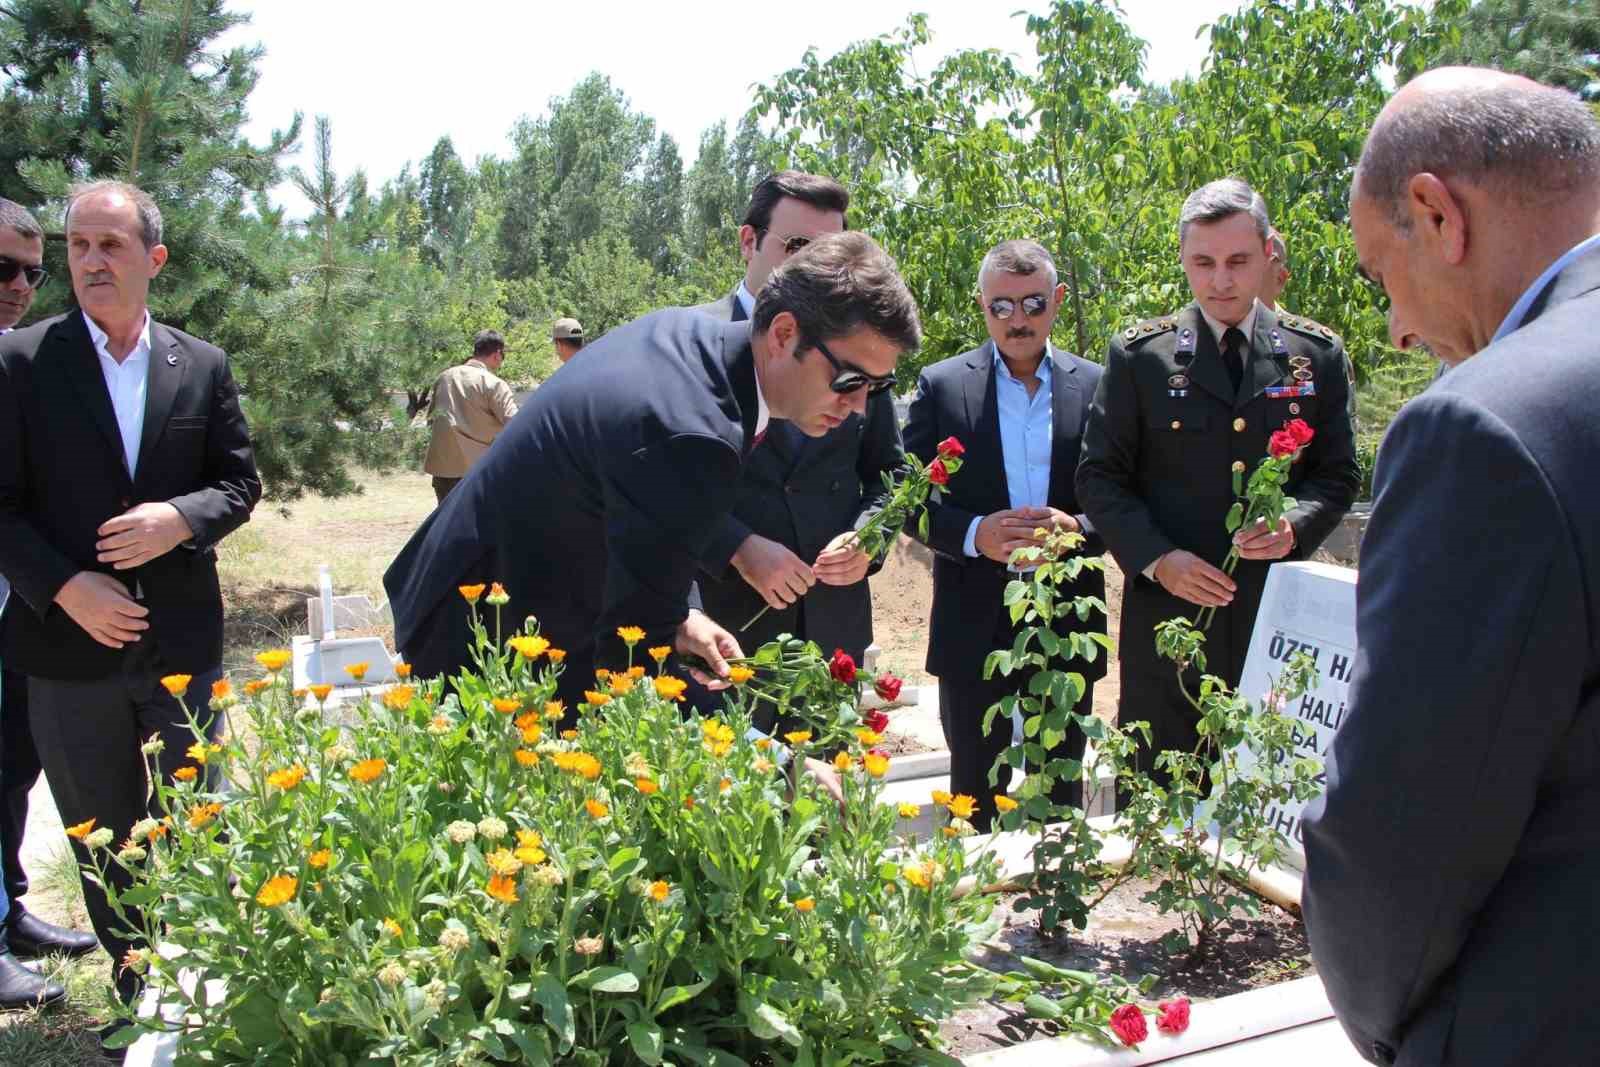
(1303, 325)
(1147, 329)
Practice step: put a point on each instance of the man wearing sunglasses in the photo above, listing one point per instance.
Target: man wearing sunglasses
(785, 544)
(1017, 404)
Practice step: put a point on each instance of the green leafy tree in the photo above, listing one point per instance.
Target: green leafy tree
(1553, 41)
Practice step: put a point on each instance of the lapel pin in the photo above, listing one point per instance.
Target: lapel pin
(172, 360)
(1294, 409)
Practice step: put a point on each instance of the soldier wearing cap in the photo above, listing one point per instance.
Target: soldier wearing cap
(1187, 401)
(567, 335)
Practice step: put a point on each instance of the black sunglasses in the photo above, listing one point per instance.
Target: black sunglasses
(847, 379)
(10, 268)
(1004, 307)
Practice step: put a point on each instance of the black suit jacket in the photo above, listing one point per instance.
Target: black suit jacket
(802, 492)
(956, 397)
(594, 503)
(62, 474)
(1451, 866)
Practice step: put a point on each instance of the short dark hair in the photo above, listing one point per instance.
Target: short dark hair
(16, 217)
(487, 343)
(1018, 257)
(143, 202)
(1221, 199)
(575, 342)
(834, 286)
(1527, 141)
(820, 192)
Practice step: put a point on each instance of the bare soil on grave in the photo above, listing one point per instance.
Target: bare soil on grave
(1124, 937)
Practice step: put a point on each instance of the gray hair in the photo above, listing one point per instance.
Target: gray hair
(1018, 257)
(149, 213)
(837, 284)
(1221, 199)
(16, 217)
(1527, 141)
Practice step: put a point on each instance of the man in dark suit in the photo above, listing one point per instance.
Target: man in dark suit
(1451, 864)
(124, 460)
(595, 504)
(1017, 406)
(799, 498)
(1187, 401)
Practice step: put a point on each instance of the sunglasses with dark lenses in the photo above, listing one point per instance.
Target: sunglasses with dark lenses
(847, 379)
(1032, 306)
(10, 268)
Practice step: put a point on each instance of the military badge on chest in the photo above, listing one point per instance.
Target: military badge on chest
(1299, 370)
(1178, 384)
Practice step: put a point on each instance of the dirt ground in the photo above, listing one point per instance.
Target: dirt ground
(1124, 938)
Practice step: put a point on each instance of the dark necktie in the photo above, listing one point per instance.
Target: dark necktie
(1232, 356)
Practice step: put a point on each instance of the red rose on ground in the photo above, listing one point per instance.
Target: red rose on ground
(1301, 432)
(876, 720)
(937, 474)
(1129, 1025)
(1174, 1017)
(951, 447)
(1282, 443)
(842, 667)
(888, 688)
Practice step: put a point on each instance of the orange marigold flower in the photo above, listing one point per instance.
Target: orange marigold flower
(1004, 803)
(636, 672)
(557, 655)
(399, 698)
(402, 670)
(186, 774)
(201, 817)
(797, 737)
(287, 778)
(391, 927)
(255, 685)
(505, 705)
(320, 858)
(962, 806)
(646, 786)
(595, 700)
(502, 888)
(368, 770)
(529, 647)
(659, 890)
(843, 762)
(80, 831)
(805, 904)
(621, 685)
(740, 674)
(357, 671)
(471, 593)
(659, 653)
(940, 797)
(221, 689)
(526, 719)
(531, 734)
(631, 635)
(498, 595)
(601, 674)
(670, 688)
(554, 710)
(160, 829)
(320, 691)
(688, 803)
(876, 763)
(763, 744)
(279, 889)
(274, 659)
(724, 785)
(298, 694)
(569, 735)
(177, 684)
(527, 757)
(596, 809)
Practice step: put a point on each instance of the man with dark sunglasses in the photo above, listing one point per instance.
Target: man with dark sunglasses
(785, 546)
(1017, 405)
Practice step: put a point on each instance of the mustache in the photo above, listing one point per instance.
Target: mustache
(1017, 335)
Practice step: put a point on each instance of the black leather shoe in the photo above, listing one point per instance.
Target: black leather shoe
(21, 988)
(30, 937)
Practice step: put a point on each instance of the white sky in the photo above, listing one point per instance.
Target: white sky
(394, 76)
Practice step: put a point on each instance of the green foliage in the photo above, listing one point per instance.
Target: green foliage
(1552, 41)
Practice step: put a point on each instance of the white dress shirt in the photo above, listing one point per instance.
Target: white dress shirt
(127, 383)
(746, 300)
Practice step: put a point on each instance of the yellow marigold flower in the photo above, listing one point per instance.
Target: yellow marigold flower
(914, 874)
(498, 595)
(81, 831)
(659, 891)
(868, 737)
(636, 672)
(532, 855)
(402, 670)
(274, 659)
(631, 635)
(279, 889)
(527, 757)
(198, 753)
(505, 705)
(177, 684)
(298, 694)
(601, 674)
(843, 762)
(595, 700)
(725, 785)
(470, 593)
(399, 698)
(876, 763)
(621, 685)
(569, 735)
(531, 734)
(255, 685)
(659, 653)
(940, 797)
(186, 774)
(740, 674)
(949, 831)
(670, 688)
(554, 710)
(320, 858)
(646, 786)
(557, 655)
(501, 861)
(201, 817)
(391, 927)
(525, 720)
(805, 904)
(596, 809)
(368, 770)
(1004, 803)
(797, 737)
(529, 838)
(320, 691)
(287, 778)
(763, 744)
(357, 671)
(221, 689)
(909, 810)
(529, 647)
(962, 806)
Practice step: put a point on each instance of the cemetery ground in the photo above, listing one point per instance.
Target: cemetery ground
(268, 571)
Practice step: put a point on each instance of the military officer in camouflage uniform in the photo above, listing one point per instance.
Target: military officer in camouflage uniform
(1187, 400)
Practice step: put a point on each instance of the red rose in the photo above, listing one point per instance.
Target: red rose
(876, 720)
(1282, 443)
(1174, 1017)
(951, 448)
(937, 474)
(842, 667)
(888, 688)
(1129, 1025)
(1302, 433)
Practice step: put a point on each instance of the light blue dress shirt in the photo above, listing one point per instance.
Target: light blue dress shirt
(1027, 432)
(1519, 310)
